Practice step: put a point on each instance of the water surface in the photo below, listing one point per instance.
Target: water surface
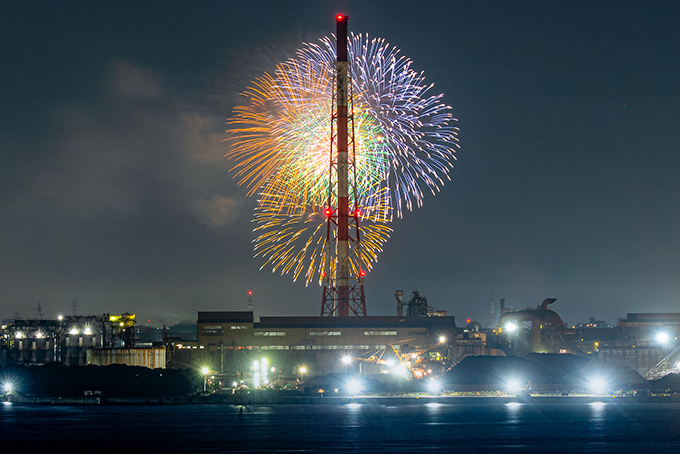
(351, 428)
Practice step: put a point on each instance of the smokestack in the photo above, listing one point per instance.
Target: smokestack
(400, 303)
(502, 305)
(341, 30)
(339, 297)
(342, 70)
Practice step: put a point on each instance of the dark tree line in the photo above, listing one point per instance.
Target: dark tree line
(117, 380)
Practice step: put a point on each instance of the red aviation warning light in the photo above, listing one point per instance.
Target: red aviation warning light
(341, 29)
(328, 212)
(467, 321)
(362, 273)
(250, 292)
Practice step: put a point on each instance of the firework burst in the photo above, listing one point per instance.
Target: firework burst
(281, 137)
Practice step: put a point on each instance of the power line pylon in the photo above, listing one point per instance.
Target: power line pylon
(343, 294)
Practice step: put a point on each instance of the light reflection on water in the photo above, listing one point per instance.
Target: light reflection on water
(513, 413)
(597, 409)
(434, 406)
(354, 427)
(513, 405)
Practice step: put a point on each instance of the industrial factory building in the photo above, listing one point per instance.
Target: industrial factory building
(233, 340)
(643, 340)
(638, 342)
(77, 340)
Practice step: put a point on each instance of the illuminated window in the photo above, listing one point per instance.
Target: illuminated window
(325, 333)
(215, 330)
(269, 333)
(239, 326)
(380, 333)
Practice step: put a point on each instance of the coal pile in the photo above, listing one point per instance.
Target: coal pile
(539, 371)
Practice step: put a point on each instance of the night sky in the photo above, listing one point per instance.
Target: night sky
(115, 191)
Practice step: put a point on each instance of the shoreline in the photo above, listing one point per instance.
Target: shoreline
(393, 400)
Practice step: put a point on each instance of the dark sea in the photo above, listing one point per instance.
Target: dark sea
(348, 428)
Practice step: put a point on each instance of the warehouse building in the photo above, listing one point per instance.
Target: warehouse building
(231, 342)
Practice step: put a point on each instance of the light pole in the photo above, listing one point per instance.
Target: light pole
(205, 371)
(302, 373)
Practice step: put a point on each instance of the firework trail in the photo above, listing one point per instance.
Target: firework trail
(281, 137)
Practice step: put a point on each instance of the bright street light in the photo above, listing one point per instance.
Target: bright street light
(511, 327)
(354, 386)
(205, 371)
(434, 387)
(513, 386)
(302, 373)
(598, 385)
(663, 338)
(400, 370)
(442, 339)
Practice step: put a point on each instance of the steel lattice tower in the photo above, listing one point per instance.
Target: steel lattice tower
(343, 294)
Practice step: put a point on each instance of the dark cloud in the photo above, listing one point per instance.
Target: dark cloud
(218, 211)
(129, 80)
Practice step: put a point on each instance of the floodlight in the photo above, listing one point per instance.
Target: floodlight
(434, 387)
(354, 386)
(513, 386)
(400, 370)
(662, 338)
(598, 385)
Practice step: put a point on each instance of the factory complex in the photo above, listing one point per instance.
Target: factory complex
(233, 350)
